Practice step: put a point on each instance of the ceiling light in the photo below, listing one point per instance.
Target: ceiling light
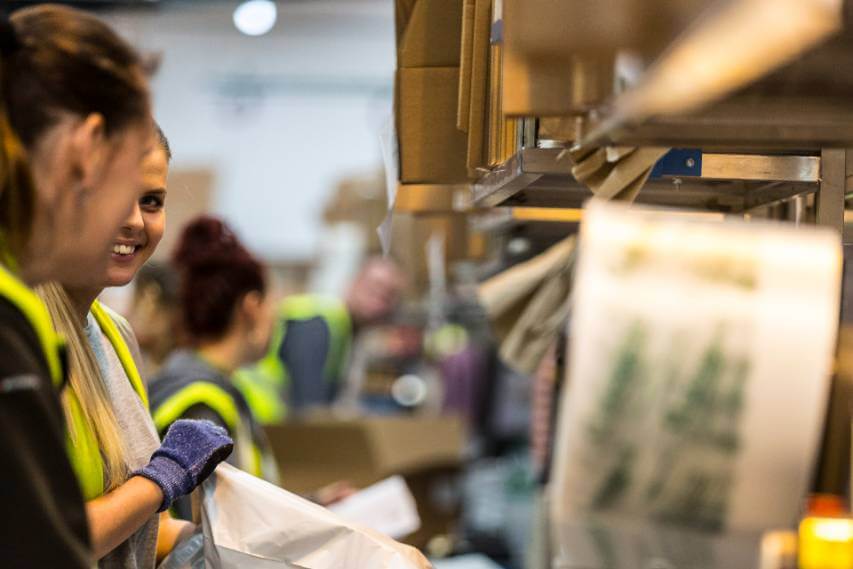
(255, 17)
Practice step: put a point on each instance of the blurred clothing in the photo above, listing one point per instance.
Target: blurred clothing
(307, 359)
(542, 411)
(188, 387)
(44, 522)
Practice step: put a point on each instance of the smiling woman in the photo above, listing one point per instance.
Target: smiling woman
(105, 382)
(141, 232)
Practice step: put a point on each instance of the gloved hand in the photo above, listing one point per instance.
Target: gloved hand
(189, 453)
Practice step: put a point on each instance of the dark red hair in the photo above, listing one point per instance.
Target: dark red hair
(217, 271)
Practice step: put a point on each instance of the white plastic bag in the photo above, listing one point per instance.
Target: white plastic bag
(251, 524)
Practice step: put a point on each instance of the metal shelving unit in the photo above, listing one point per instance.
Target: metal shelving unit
(773, 147)
(708, 181)
(730, 183)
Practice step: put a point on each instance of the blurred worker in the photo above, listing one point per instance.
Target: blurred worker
(226, 322)
(309, 352)
(129, 479)
(74, 122)
(153, 314)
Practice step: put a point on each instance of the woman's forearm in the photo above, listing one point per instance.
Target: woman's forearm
(116, 516)
(171, 533)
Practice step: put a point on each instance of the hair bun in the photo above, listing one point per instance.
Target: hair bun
(216, 271)
(207, 240)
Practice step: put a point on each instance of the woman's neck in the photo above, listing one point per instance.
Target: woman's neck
(224, 354)
(82, 300)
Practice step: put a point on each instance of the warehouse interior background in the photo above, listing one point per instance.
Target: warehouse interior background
(566, 383)
(279, 119)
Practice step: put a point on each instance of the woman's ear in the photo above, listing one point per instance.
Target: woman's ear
(251, 307)
(258, 325)
(88, 150)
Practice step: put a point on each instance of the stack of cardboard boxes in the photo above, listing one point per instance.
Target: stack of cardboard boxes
(432, 149)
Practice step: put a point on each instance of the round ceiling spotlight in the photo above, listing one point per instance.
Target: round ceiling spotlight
(255, 17)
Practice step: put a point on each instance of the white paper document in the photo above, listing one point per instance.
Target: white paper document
(699, 368)
(387, 507)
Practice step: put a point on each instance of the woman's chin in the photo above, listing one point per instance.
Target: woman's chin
(118, 276)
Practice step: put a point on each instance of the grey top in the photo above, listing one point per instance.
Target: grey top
(140, 550)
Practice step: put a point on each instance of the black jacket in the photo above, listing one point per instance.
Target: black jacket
(42, 513)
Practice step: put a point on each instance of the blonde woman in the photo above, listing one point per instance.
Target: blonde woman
(112, 437)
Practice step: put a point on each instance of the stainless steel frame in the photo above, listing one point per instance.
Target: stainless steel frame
(730, 183)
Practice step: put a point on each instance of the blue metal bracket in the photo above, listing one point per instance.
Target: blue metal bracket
(497, 35)
(679, 162)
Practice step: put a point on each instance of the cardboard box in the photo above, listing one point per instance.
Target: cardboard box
(402, 14)
(426, 451)
(549, 28)
(318, 451)
(432, 35)
(411, 233)
(535, 86)
(432, 149)
(360, 200)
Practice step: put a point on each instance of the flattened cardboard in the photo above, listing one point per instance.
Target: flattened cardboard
(479, 87)
(464, 109)
(432, 149)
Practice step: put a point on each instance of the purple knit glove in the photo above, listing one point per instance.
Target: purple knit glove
(189, 453)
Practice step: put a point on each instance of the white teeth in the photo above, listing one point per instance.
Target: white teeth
(123, 249)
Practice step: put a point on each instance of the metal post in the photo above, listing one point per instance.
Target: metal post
(830, 196)
(798, 206)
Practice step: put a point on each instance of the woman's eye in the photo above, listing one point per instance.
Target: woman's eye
(151, 202)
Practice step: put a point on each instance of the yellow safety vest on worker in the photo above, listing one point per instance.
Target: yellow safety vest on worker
(36, 313)
(179, 387)
(85, 453)
(264, 385)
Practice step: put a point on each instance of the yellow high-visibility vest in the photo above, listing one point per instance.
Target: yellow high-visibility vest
(84, 451)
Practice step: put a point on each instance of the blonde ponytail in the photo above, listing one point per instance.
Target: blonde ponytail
(87, 383)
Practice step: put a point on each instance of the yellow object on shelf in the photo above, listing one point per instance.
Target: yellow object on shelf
(826, 543)
(567, 215)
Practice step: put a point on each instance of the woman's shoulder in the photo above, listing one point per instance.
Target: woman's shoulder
(120, 321)
(184, 386)
(184, 372)
(126, 331)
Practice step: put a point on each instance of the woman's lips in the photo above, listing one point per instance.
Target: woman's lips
(124, 253)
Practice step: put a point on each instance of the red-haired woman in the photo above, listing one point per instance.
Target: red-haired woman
(226, 324)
